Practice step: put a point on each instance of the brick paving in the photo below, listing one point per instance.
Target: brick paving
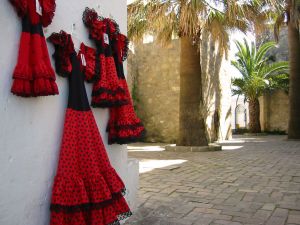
(253, 181)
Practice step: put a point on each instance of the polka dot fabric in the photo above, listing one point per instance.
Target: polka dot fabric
(86, 190)
(124, 126)
(111, 89)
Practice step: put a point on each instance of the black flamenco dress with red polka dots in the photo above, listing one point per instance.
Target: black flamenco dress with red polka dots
(87, 190)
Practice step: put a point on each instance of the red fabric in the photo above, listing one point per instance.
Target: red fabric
(108, 82)
(89, 70)
(107, 91)
(86, 190)
(124, 126)
(85, 176)
(33, 74)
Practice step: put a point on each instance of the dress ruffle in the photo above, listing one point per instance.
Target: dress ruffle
(63, 48)
(48, 7)
(91, 68)
(109, 214)
(124, 126)
(72, 192)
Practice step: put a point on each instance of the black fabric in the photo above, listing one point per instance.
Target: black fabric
(119, 65)
(127, 140)
(86, 206)
(78, 99)
(28, 27)
(109, 104)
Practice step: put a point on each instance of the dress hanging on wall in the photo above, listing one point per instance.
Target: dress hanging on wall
(87, 190)
(33, 74)
(107, 91)
(124, 126)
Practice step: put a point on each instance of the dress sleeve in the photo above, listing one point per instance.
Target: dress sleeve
(20, 6)
(64, 47)
(48, 7)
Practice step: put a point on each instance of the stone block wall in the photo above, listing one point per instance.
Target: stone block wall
(154, 74)
(274, 111)
(155, 81)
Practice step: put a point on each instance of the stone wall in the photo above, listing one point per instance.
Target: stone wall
(154, 74)
(274, 111)
(155, 83)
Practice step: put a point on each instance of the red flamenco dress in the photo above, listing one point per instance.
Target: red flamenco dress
(124, 126)
(33, 74)
(87, 190)
(100, 67)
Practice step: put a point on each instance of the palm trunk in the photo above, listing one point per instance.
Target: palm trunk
(191, 121)
(254, 111)
(294, 92)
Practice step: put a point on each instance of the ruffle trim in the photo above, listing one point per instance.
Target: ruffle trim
(125, 127)
(70, 190)
(111, 214)
(64, 47)
(102, 90)
(127, 140)
(35, 88)
(92, 68)
(104, 103)
(121, 217)
(49, 7)
(87, 206)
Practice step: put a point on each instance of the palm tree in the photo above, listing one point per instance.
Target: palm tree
(188, 19)
(258, 76)
(289, 13)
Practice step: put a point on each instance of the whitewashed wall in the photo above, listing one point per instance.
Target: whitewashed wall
(31, 128)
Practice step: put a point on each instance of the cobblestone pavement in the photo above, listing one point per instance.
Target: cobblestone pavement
(252, 181)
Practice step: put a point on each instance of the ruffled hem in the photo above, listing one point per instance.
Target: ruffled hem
(21, 87)
(119, 127)
(22, 71)
(112, 92)
(104, 103)
(44, 87)
(38, 87)
(110, 214)
(126, 139)
(71, 191)
(41, 70)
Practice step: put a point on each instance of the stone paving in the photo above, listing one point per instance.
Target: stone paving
(253, 181)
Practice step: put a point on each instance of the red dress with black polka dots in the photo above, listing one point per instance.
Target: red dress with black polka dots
(99, 65)
(124, 125)
(87, 190)
(33, 74)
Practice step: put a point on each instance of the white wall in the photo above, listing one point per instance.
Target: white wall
(31, 128)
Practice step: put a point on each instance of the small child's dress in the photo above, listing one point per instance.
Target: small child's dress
(87, 190)
(33, 74)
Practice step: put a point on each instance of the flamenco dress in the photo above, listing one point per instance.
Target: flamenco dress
(100, 66)
(87, 190)
(124, 126)
(33, 74)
